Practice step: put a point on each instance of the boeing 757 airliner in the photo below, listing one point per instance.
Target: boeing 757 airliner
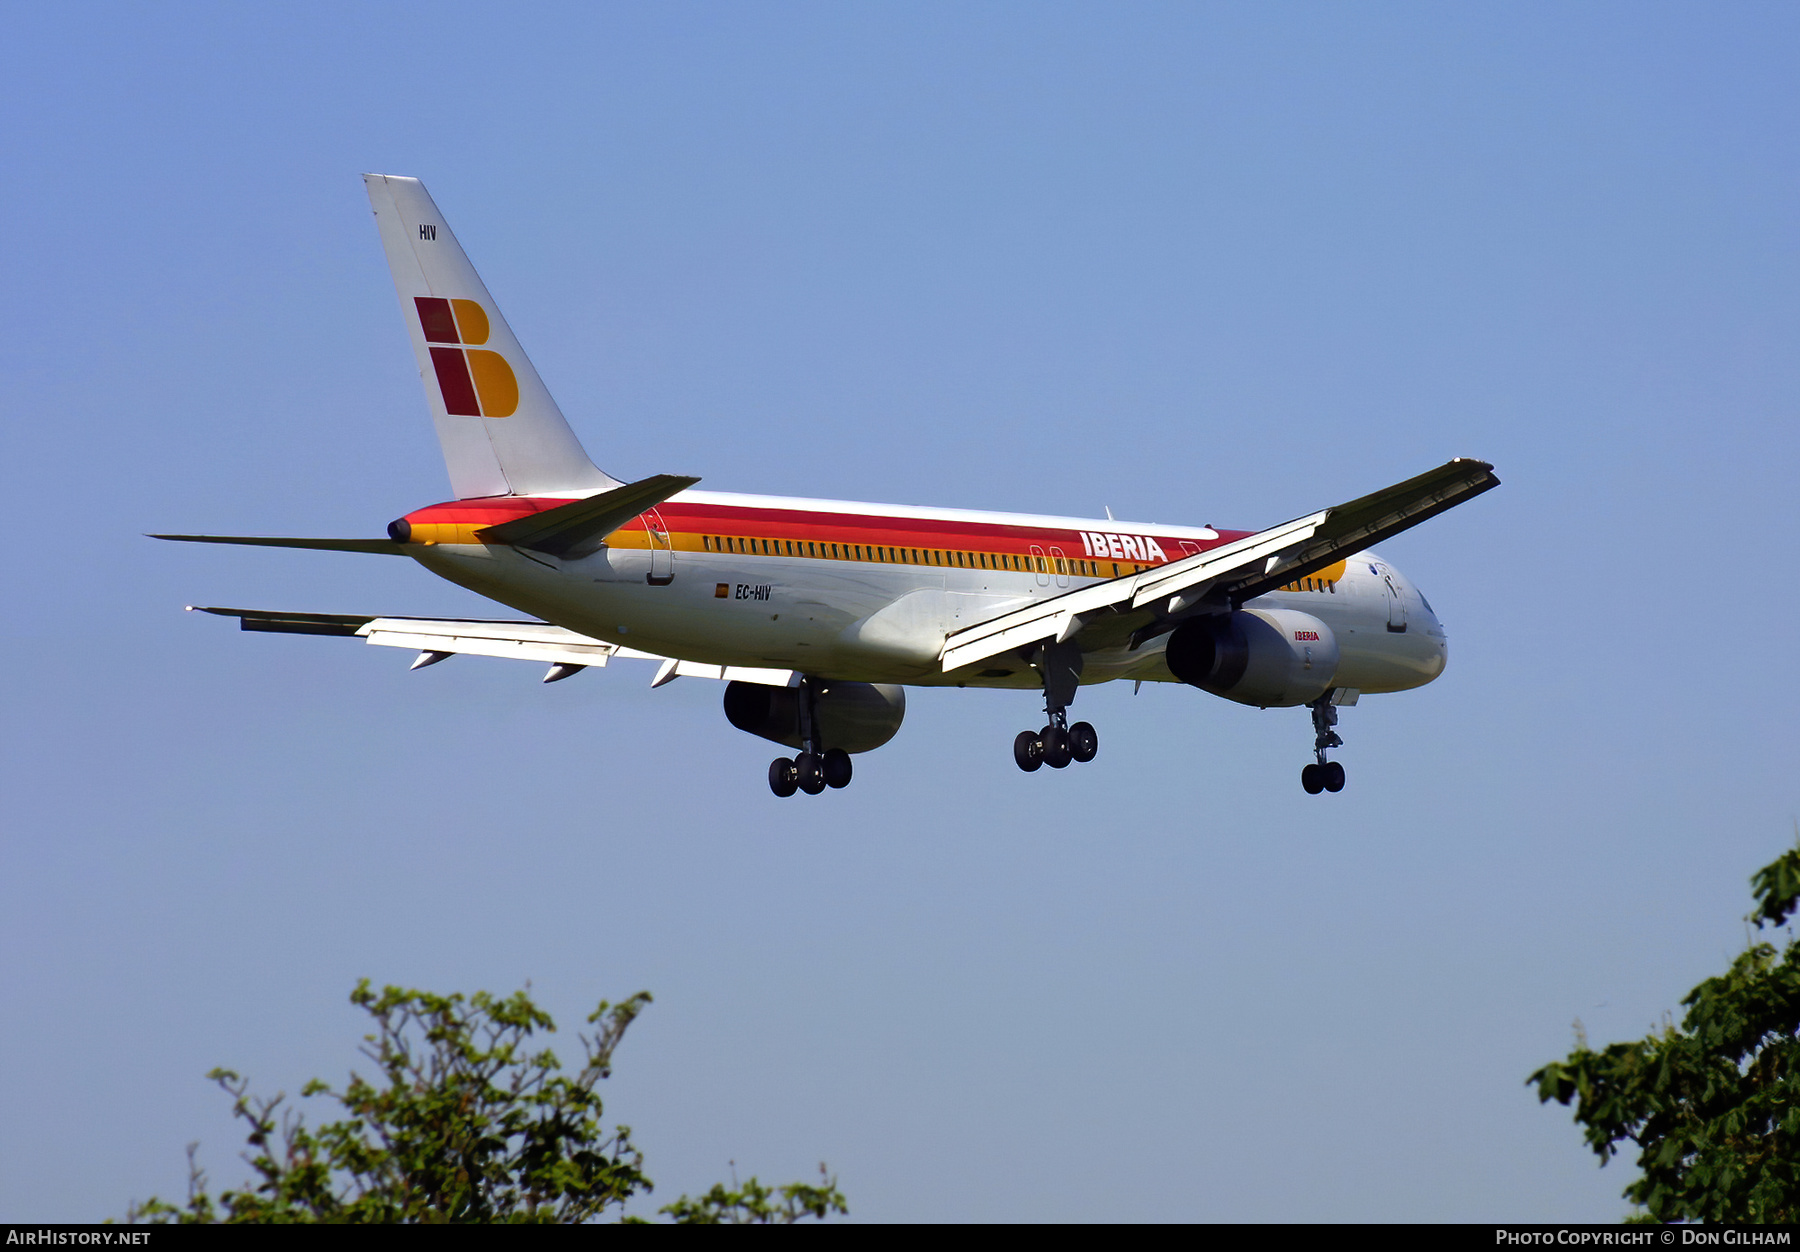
(817, 614)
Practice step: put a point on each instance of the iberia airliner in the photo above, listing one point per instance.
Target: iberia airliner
(817, 614)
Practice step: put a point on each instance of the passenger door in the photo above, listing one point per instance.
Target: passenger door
(662, 552)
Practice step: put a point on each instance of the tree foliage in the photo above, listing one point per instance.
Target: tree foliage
(1713, 1105)
(464, 1122)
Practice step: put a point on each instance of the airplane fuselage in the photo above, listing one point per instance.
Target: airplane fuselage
(867, 593)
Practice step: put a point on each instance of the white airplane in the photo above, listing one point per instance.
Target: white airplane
(818, 613)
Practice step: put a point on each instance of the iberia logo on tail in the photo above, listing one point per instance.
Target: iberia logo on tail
(475, 382)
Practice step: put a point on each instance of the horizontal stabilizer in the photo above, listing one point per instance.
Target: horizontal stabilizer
(576, 529)
(384, 547)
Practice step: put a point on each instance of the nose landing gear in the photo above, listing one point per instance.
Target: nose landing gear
(815, 768)
(1323, 775)
(1057, 743)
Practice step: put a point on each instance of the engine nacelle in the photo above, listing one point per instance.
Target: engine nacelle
(857, 717)
(1272, 658)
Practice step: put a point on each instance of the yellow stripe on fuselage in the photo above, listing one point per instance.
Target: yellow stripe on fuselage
(1320, 580)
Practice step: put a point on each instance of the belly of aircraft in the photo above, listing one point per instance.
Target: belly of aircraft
(861, 623)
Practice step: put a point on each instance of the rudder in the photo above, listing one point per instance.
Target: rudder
(499, 428)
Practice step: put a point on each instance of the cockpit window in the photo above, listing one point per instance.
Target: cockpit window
(1426, 603)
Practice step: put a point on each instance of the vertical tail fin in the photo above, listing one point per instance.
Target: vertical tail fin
(501, 432)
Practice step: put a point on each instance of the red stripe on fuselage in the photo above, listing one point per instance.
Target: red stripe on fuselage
(801, 525)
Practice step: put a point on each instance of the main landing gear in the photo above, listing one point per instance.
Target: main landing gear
(810, 772)
(1323, 775)
(1057, 743)
(817, 767)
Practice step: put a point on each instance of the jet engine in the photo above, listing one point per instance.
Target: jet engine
(1272, 658)
(857, 717)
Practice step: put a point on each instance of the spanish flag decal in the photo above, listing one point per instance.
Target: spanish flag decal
(475, 382)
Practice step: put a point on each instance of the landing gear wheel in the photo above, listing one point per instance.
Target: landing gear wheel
(1313, 779)
(809, 773)
(836, 766)
(1334, 776)
(1056, 747)
(1028, 750)
(1084, 742)
(781, 776)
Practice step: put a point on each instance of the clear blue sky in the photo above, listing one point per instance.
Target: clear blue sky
(1199, 263)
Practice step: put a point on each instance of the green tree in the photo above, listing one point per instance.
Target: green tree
(1713, 1105)
(464, 1123)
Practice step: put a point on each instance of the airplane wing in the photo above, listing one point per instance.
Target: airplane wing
(436, 639)
(1143, 605)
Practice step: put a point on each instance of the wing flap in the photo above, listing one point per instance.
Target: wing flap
(514, 640)
(458, 638)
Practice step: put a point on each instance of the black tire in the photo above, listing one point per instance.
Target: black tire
(1313, 779)
(837, 767)
(1334, 776)
(1084, 742)
(781, 776)
(1028, 750)
(1056, 747)
(809, 774)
